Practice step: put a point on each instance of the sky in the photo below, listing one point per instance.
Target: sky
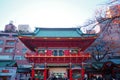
(47, 13)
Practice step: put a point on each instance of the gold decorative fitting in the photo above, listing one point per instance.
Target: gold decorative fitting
(89, 55)
(70, 38)
(57, 38)
(20, 37)
(33, 37)
(83, 38)
(45, 38)
(95, 37)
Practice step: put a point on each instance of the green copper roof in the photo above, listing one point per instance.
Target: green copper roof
(57, 32)
(7, 63)
(116, 61)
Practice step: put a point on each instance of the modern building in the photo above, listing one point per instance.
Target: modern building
(23, 28)
(12, 53)
(10, 27)
(57, 52)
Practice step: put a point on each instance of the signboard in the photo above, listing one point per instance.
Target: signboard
(42, 66)
(76, 66)
(5, 71)
(8, 71)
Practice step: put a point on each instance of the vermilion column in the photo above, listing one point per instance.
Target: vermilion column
(32, 73)
(36, 79)
(70, 72)
(45, 74)
(82, 72)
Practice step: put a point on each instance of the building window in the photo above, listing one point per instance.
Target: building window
(23, 58)
(5, 57)
(24, 50)
(55, 53)
(9, 50)
(73, 51)
(17, 57)
(10, 43)
(1, 50)
(1, 42)
(4, 35)
(58, 52)
(41, 51)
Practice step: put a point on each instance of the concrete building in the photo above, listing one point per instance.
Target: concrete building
(10, 27)
(23, 28)
(12, 49)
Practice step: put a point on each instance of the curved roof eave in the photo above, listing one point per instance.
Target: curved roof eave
(57, 32)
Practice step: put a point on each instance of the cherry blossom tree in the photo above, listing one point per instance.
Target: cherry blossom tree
(108, 42)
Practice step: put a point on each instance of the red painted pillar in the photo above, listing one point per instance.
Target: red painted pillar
(45, 74)
(70, 72)
(32, 73)
(82, 73)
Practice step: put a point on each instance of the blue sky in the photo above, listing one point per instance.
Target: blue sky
(47, 13)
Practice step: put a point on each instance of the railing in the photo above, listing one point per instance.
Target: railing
(66, 53)
(48, 57)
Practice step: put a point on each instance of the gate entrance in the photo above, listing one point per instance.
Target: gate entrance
(58, 72)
